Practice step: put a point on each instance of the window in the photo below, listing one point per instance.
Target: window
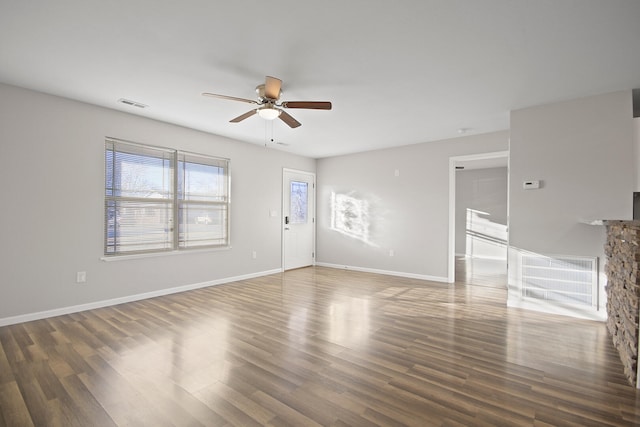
(149, 189)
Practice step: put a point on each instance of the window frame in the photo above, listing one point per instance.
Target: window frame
(176, 200)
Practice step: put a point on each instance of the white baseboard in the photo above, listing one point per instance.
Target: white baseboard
(130, 298)
(387, 272)
(571, 311)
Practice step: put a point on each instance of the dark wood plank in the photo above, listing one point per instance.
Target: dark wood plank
(12, 404)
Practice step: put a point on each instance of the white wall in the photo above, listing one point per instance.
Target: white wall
(582, 151)
(52, 170)
(51, 165)
(481, 204)
(407, 214)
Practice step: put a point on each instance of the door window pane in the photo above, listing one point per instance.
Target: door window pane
(299, 202)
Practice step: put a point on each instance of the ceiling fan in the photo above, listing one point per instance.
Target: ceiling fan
(269, 104)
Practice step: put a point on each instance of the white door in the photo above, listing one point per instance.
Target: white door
(298, 218)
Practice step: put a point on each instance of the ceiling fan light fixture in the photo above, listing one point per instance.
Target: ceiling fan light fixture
(268, 112)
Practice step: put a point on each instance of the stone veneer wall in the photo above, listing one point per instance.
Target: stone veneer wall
(623, 291)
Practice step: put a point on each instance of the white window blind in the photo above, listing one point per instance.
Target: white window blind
(203, 204)
(149, 189)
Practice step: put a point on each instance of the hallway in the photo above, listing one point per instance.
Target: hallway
(481, 272)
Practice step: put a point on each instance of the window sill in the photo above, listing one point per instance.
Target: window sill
(162, 254)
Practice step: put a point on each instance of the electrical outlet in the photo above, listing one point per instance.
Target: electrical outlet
(81, 277)
(254, 255)
(391, 252)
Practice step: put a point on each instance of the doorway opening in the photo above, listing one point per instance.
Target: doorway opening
(478, 219)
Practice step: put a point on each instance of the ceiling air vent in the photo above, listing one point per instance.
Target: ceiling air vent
(132, 103)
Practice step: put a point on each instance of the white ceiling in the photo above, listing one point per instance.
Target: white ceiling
(398, 73)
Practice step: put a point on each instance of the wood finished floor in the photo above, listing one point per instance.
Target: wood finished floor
(481, 272)
(314, 346)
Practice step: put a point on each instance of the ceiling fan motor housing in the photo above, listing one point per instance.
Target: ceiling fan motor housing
(260, 90)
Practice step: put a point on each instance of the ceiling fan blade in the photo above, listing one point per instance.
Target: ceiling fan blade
(231, 98)
(312, 105)
(285, 117)
(243, 116)
(272, 87)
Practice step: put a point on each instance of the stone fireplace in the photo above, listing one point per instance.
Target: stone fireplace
(623, 291)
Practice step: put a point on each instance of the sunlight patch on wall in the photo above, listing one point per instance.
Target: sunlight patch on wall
(351, 216)
(485, 238)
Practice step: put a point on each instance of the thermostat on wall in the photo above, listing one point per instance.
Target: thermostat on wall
(531, 185)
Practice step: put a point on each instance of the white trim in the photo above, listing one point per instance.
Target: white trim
(386, 272)
(130, 298)
(451, 258)
(487, 257)
(111, 258)
(298, 171)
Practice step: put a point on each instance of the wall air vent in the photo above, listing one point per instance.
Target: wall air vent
(132, 103)
(560, 279)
